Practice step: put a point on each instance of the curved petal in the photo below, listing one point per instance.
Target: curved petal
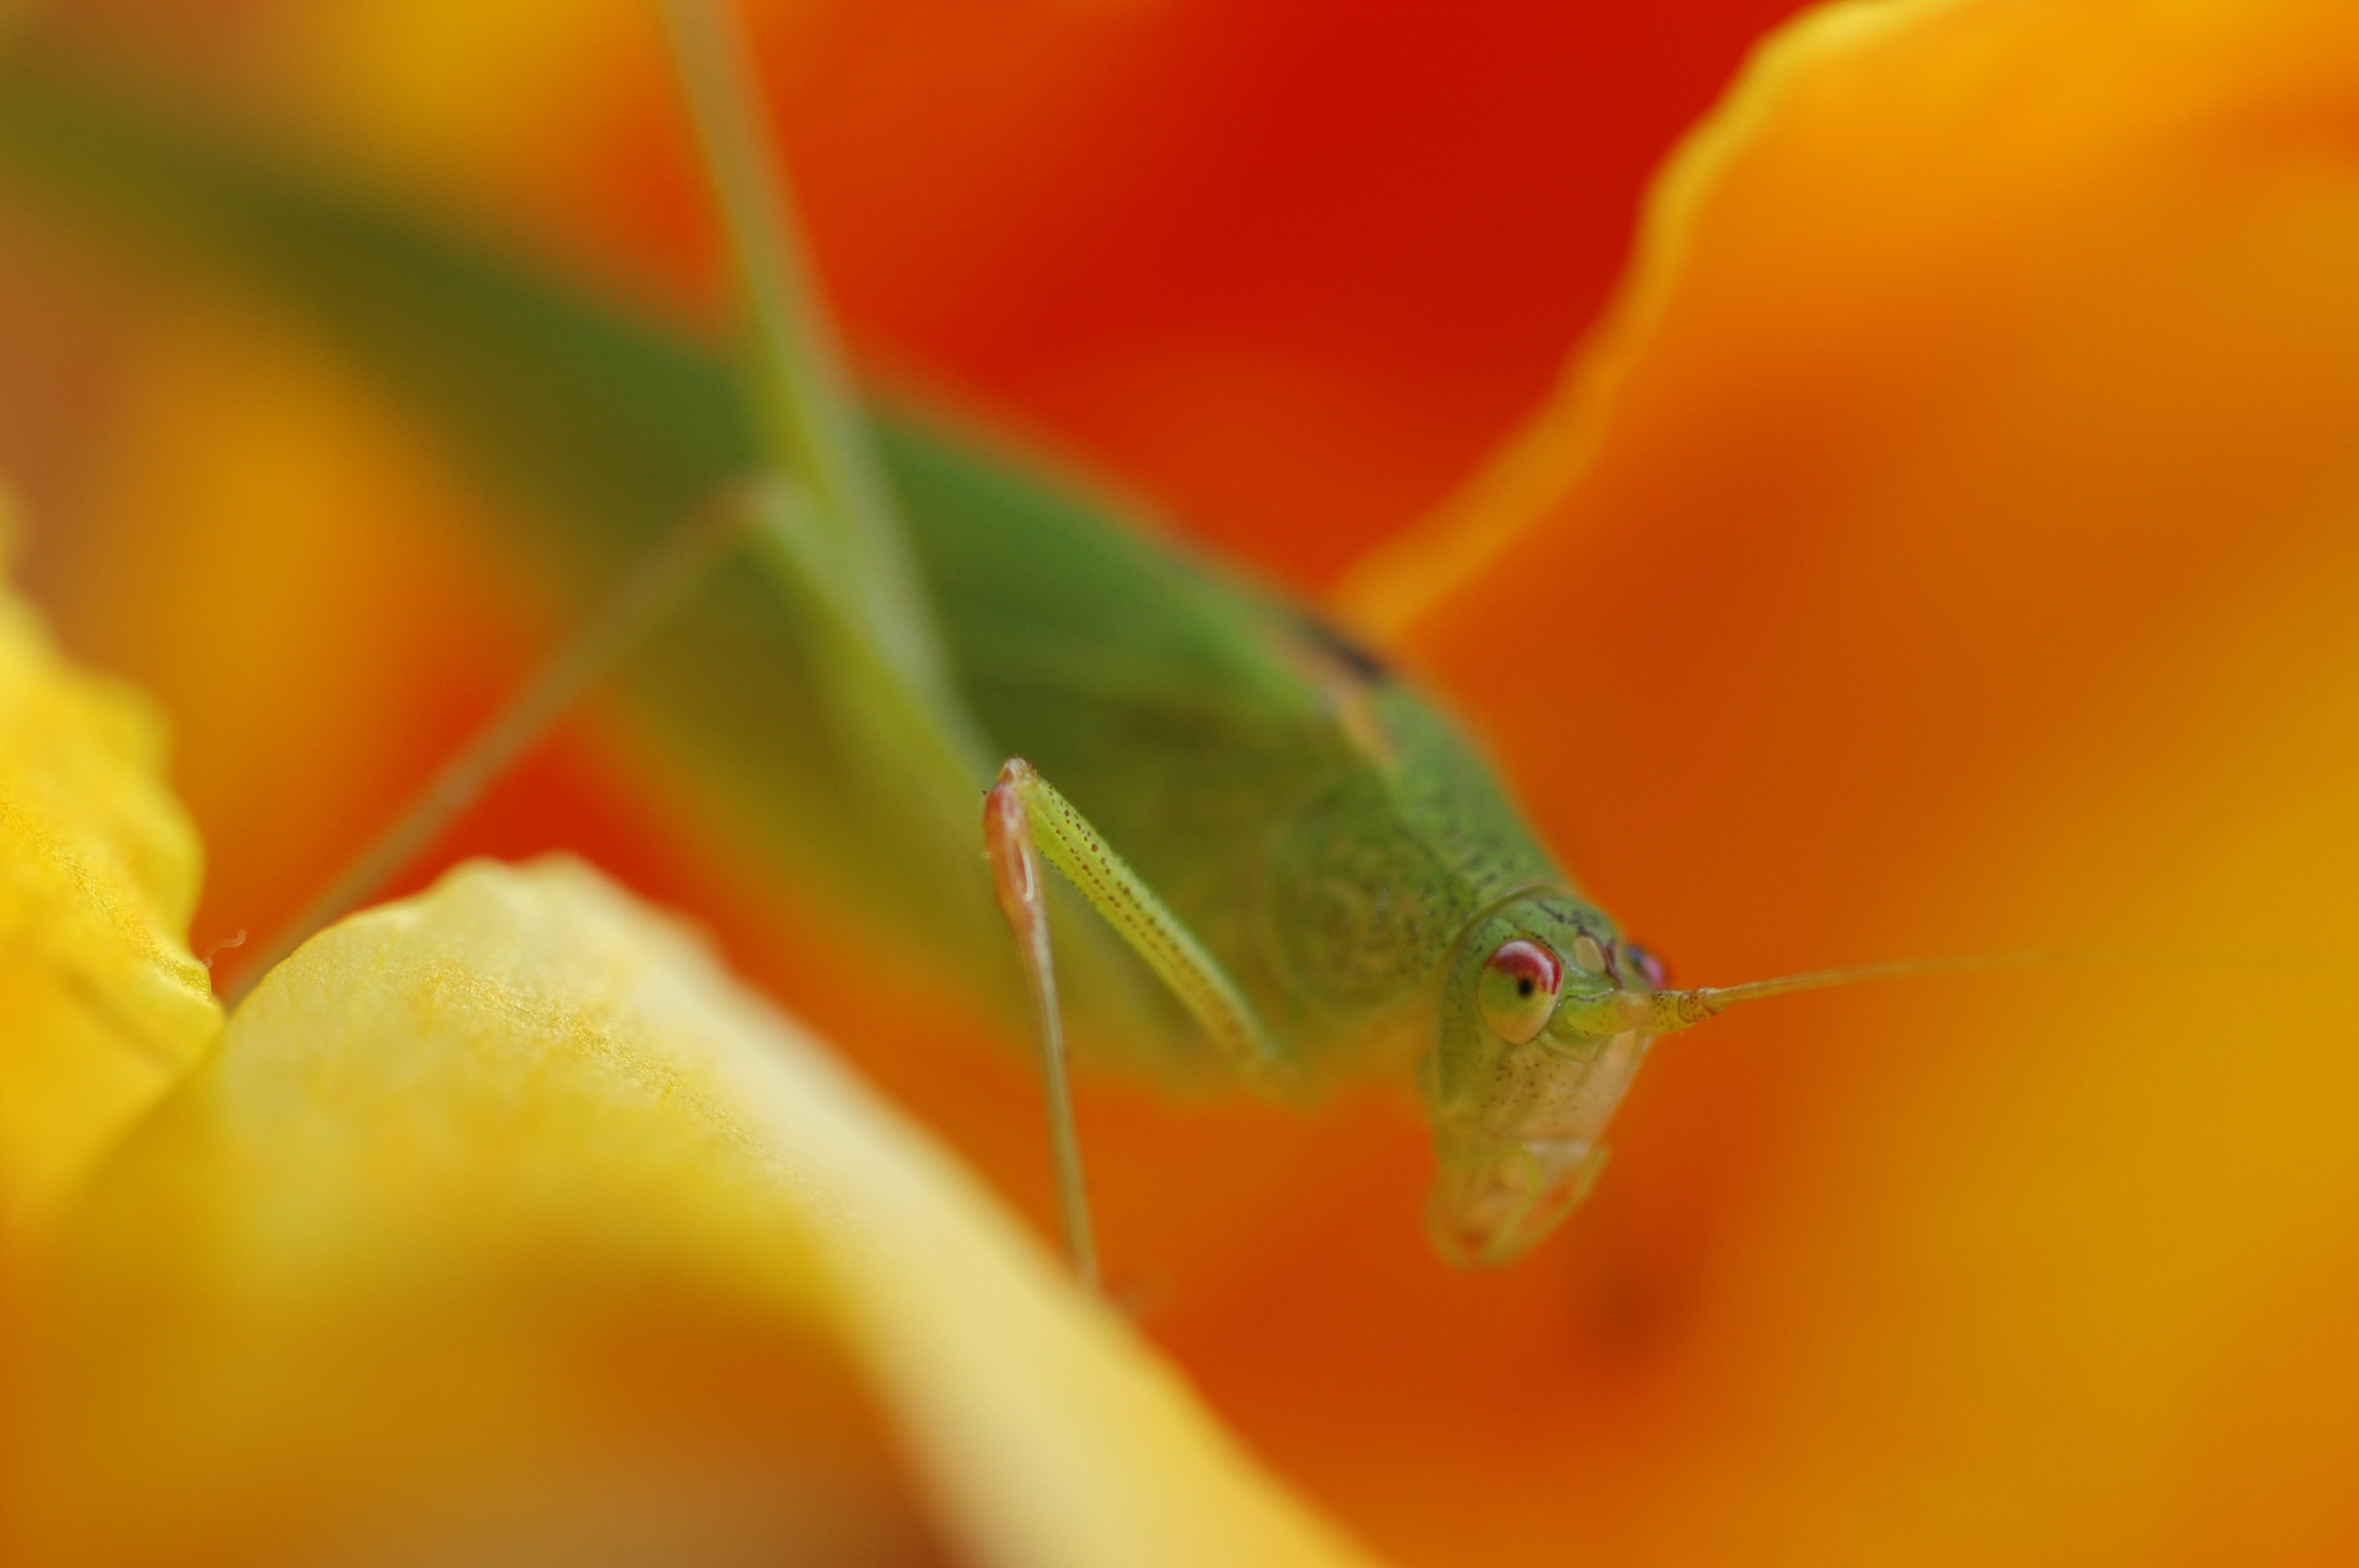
(503, 1216)
(101, 1007)
(1891, 190)
(1951, 549)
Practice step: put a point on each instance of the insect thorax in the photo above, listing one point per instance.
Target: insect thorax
(1377, 878)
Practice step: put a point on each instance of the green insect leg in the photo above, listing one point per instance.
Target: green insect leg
(1024, 820)
(1142, 920)
(1023, 899)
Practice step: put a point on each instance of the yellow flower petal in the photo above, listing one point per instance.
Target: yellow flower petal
(100, 1005)
(502, 1219)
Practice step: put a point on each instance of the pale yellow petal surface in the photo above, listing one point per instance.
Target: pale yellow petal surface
(100, 1005)
(502, 1214)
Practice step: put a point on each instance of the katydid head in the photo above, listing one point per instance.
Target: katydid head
(1545, 1014)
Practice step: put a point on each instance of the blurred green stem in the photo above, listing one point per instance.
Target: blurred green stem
(855, 554)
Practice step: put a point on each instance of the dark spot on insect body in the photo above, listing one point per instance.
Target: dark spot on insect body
(1361, 663)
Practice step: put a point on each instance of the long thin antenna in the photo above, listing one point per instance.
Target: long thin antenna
(641, 599)
(1675, 1009)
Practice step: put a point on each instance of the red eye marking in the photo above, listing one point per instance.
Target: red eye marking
(1532, 968)
(1518, 989)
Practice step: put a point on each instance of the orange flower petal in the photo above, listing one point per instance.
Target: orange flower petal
(1949, 547)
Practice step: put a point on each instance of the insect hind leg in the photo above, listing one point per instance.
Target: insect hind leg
(1015, 874)
(1145, 923)
(1025, 820)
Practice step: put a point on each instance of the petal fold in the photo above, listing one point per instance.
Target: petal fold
(1895, 200)
(101, 1007)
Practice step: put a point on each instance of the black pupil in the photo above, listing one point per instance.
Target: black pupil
(1524, 986)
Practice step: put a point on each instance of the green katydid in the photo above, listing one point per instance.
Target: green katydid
(1277, 830)
(1326, 874)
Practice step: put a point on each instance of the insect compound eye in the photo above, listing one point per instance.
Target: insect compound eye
(1650, 968)
(1517, 990)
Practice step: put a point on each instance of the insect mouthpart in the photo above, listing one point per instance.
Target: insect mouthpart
(1491, 1203)
(1518, 1153)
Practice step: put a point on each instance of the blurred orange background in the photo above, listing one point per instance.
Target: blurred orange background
(1965, 562)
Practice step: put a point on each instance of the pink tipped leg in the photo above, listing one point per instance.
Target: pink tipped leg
(1015, 872)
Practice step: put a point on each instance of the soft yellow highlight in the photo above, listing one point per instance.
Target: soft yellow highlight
(100, 1005)
(425, 1248)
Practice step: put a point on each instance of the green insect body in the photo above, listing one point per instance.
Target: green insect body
(1350, 871)
(1337, 843)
